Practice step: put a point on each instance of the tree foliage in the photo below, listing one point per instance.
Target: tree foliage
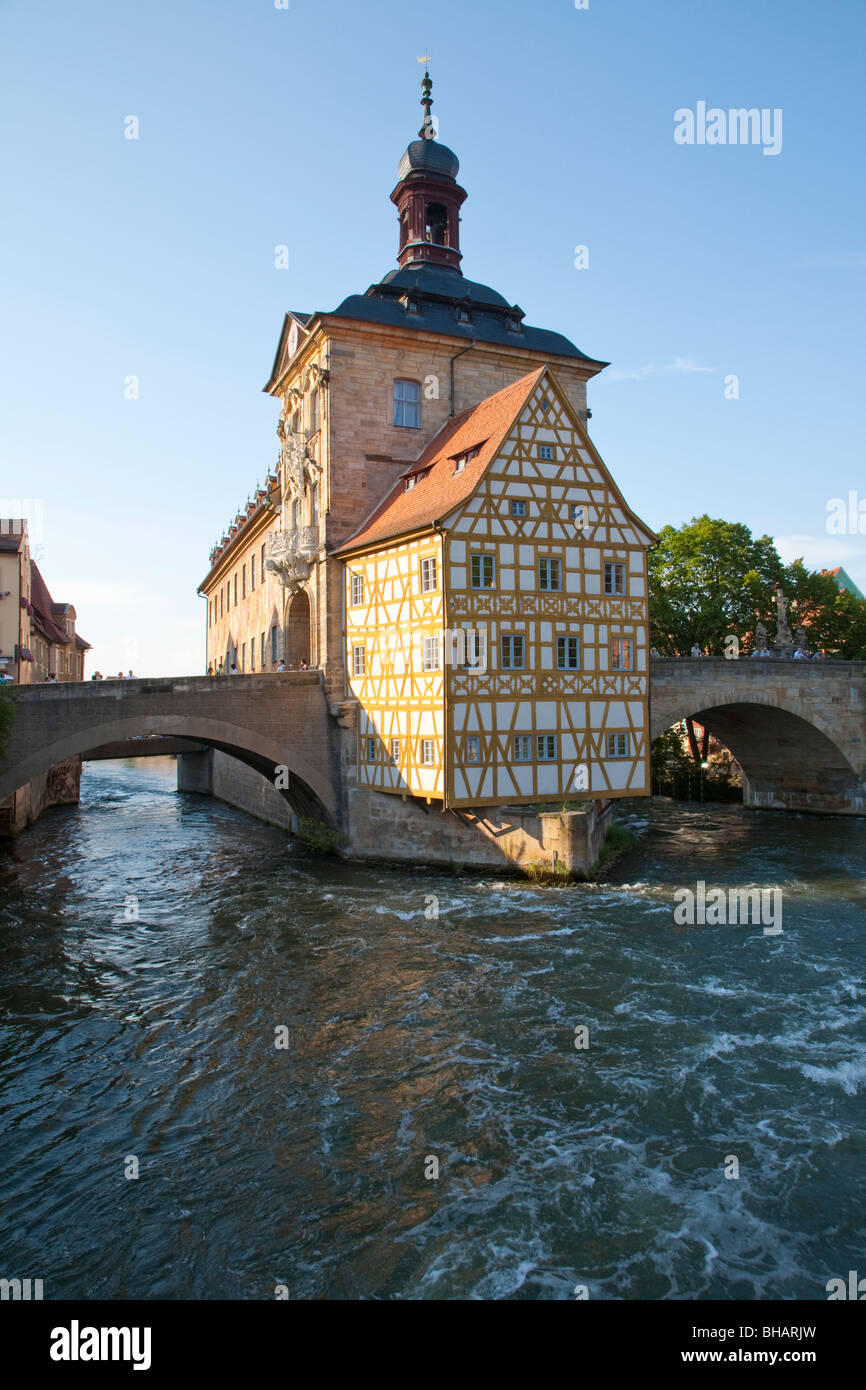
(711, 578)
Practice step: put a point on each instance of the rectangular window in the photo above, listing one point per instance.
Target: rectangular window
(621, 654)
(222, 610)
(296, 513)
(371, 750)
(512, 651)
(518, 508)
(568, 653)
(545, 746)
(395, 750)
(578, 514)
(428, 574)
(359, 661)
(252, 653)
(407, 404)
(243, 581)
(549, 577)
(314, 505)
(243, 656)
(357, 590)
(236, 591)
(431, 654)
(522, 748)
(472, 749)
(263, 652)
(427, 752)
(314, 411)
(252, 571)
(617, 745)
(263, 564)
(545, 451)
(274, 645)
(482, 571)
(614, 578)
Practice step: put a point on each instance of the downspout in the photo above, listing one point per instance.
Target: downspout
(453, 360)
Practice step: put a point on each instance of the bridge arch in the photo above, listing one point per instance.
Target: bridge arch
(794, 745)
(55, 723)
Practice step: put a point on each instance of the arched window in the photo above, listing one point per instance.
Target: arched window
(436, 224)
(407, 404)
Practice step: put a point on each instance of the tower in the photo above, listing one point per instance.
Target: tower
(428, 198)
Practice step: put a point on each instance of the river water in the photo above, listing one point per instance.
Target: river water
(152, 945)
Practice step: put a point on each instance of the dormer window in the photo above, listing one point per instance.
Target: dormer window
(461, 460)
(416, 478)
(463, 315)
(513, 325)
(412, 306)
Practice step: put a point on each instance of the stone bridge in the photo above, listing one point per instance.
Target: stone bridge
(266, 721)
(797, 728)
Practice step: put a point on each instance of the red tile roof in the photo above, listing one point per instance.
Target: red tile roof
(435, 494)
(42, 602)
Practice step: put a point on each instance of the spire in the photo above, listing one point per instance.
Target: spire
(428, 130)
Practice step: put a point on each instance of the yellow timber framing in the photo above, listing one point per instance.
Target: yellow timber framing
(578, 708)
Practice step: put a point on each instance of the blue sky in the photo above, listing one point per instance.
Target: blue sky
(261, 127)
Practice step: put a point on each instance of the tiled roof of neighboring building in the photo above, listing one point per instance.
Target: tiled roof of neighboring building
(438, 488)
(43, 604)
(10, 541)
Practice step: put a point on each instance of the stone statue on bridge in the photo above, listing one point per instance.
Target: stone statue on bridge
(784, 642)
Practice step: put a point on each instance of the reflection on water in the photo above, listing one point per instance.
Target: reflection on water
(151, 945)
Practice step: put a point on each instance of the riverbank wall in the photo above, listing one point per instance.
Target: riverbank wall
(59, 786)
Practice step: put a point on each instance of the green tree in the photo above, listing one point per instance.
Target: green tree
(707, 579)
(710, 578)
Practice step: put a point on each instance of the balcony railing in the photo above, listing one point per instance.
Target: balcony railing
(302, 541)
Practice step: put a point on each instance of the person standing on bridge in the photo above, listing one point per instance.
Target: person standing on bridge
(281, 665)
(696, 651)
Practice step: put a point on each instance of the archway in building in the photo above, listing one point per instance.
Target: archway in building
(299, 636)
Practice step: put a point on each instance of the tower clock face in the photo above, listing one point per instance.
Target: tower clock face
(293, 339)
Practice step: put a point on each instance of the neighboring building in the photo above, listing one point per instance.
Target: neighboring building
(436, 477)
(844, 582)
(37, 639)
(37, 635)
